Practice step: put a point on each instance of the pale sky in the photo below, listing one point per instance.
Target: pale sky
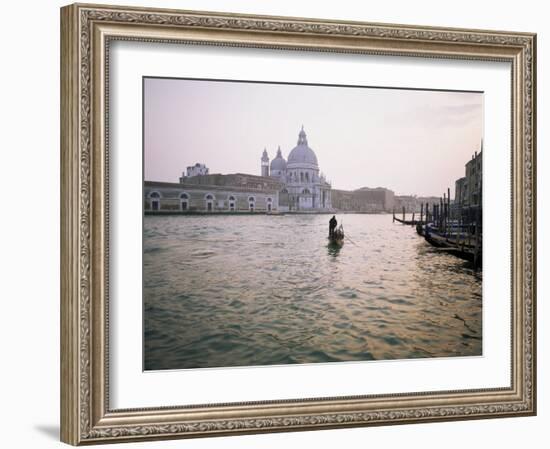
(410, 141)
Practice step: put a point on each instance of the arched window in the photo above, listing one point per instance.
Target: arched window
(231, 202)
(306, 192)
(155, 200)
(251, 203)
(209, 202)
(307, 177)
(301, 177)
(184, 201)
(269, 204)
(284, 191)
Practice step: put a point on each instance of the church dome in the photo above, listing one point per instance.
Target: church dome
(278, 163)
(302, 154)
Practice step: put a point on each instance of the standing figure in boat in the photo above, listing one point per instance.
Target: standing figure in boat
(332, 226)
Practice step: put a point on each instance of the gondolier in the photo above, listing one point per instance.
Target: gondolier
(332, 226)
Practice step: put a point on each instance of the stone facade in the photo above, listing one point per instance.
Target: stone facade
(165, 197)
(365, 199)
(238, 180)
(195, 170)
(461, 193)
(409, 202)
(413, 203)
(474, 180)
(468, 189)
(305, 188)
(431, 200)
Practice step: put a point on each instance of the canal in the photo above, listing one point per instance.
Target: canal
(241, 290)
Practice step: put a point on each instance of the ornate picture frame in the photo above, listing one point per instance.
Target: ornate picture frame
(87, 31)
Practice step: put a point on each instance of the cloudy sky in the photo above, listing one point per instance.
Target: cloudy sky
(410, 141)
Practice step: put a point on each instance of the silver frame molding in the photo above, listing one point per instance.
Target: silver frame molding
(86, 33)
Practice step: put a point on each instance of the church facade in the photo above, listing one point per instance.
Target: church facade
(304, 186)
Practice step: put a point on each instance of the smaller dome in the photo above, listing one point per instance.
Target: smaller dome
(279, 162)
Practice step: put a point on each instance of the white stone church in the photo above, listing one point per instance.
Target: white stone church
(304, 186)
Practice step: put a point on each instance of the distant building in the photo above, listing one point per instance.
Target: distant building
(296, 184)
(409, 202)
(365, 199)
(423, 200)
(195, 170)
(380, 198)
(413, 203)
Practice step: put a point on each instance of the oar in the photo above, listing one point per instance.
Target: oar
(345, 236)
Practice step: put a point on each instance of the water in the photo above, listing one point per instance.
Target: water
(263, 290)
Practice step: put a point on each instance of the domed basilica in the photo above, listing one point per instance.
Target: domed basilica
(304, 186)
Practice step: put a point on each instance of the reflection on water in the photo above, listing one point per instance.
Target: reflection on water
(334, 249)
(263, 290)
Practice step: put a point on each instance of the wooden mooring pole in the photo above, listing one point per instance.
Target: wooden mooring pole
(427, 213)
(448, 210)
(445, 213)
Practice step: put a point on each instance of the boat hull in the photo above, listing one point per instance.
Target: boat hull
(335, 241)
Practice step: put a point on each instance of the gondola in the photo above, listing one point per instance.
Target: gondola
(337, 237)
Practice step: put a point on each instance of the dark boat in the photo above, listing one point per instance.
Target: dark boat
(452, 245)
(337, 237)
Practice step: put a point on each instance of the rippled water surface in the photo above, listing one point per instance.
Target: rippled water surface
(262, 290)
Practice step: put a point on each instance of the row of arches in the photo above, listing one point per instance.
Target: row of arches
(209, 199)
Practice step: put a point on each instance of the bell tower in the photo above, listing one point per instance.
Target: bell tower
(265, 163)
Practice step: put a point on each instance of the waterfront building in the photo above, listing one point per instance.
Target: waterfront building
(380, 199)
(185, 197)
(461, 193)
(408, 202)
(423, 200)
(468, 189)
(413, 203)
(365, 199)
(474, 180)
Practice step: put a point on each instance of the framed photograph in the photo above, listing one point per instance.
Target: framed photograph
(278, 224)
